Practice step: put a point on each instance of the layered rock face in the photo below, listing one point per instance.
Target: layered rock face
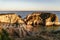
(10, 18)
(36, 18)
(33, 18)
(8, 22)
(43, 18)
(52, 20)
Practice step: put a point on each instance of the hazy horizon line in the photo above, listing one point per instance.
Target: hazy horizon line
(29, 10)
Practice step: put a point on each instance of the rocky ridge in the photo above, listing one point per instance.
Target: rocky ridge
(18, 27)
(42, 18)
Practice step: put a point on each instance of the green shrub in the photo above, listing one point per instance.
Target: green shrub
(4, 35)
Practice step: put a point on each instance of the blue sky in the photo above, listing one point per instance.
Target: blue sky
(30, 5)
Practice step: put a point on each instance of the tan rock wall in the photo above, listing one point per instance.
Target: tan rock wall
(52, 20)
(10, 18)
(49, 22)
(44, 18)
(33, 18)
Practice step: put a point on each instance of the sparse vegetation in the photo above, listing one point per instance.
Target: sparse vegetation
(4, 35)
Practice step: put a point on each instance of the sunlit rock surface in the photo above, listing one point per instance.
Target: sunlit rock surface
(33, 29)
(42, 18)
(34, 18)
(11, 22)
(52, 19)
(10, 18)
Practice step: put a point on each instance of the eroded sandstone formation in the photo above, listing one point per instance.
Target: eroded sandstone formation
(36, 18)
(10, 18)
(11, 23)
(32, 19)
(42, 18)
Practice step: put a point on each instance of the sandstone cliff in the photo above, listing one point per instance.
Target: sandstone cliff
(33, 19)
(10, 18)
(42, 18)
(8, 22)
(36, 18)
